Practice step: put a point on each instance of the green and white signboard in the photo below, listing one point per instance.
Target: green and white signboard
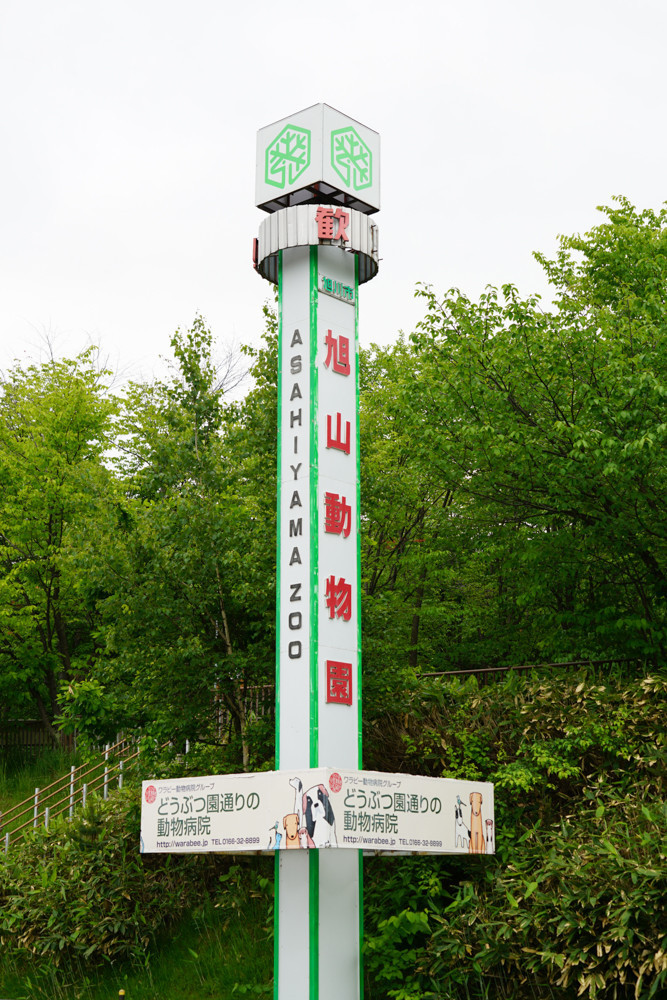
(322, 169)
(318, 152)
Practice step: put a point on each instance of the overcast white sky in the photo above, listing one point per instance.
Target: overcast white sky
(127, 150)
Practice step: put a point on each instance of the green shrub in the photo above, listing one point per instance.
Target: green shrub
(573, 903)
(83, 889)
(581, 907)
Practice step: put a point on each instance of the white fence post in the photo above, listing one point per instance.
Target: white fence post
(84, 795)
(120, 775)
(46, 818)
(71, 790)
(106, 771)
(7, 842)
(36, 809)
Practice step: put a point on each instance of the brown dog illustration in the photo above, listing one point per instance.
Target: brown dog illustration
(477, 843)
(291, 824)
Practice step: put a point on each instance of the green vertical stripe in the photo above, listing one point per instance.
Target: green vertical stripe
(276, 867)
(278, 516)
(276, 922)
(314, 922)
(314, 574)
(360, 764)
(313, 856)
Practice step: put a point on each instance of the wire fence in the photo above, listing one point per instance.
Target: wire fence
(563, 664)
(71, 790)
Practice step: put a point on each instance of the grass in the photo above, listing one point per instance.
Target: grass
(22, 771)
(216, 951)
(206, 955)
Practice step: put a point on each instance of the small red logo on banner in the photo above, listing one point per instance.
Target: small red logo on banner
(150, 794)
(336, 783)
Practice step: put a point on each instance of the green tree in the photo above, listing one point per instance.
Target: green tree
(185, 572)
(437, 588)
(54, 427)
(549, 424)
(406, 558)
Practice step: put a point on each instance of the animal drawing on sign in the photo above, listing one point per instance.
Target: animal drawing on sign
(291, 825)
(461, 831)
(489, 836)
(304, 838)
(274, 838)
(477, 844)
(318, 817)
(297, 785)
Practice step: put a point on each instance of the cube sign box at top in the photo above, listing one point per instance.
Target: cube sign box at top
(315, 155)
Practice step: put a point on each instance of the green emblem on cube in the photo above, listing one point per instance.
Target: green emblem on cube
(287, 156)
(351, 158)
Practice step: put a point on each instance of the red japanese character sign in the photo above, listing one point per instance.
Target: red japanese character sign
(337, 515)
(339, 598)
(325, 217)
(338, 353)
(335, 439)
(339, 682)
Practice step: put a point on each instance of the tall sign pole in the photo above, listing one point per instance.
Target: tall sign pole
(318, 178)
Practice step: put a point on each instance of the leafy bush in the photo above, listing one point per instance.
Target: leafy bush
(581, 907)
(83, 890)
(573, 903)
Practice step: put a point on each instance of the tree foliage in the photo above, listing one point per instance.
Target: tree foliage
(54, 428)
(185, 575)
(548, 426)
(573, 903)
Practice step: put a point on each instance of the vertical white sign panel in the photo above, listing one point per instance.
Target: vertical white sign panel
(338, 511)
(293, 700)
(294, 704)
(318, 619)
(338, 599)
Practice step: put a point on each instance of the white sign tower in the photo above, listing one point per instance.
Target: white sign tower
(318, 178)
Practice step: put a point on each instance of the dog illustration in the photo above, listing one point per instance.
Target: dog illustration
(477, 844)
(489, 836)
(297, 785)
(318, 817)
(291, 825)
(461, 831)
(306, 840)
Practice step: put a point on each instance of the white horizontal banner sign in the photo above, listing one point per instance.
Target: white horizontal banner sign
(317, 808)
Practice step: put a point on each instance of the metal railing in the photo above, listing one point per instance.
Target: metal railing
(64, 794)
(533, 666)
(72, 790)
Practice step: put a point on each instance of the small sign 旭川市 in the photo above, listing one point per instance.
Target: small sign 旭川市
(338, 289)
